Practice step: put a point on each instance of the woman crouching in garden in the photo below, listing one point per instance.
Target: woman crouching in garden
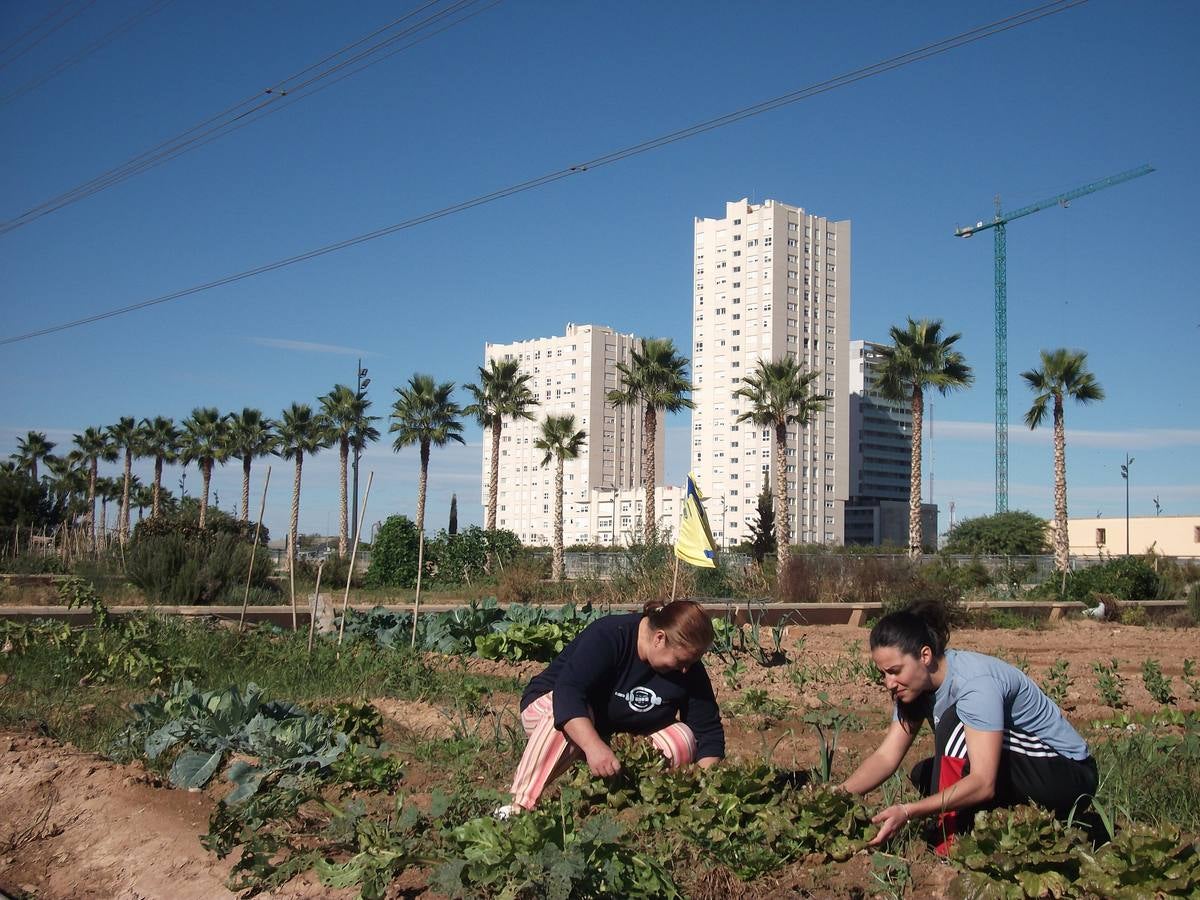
(998, 739)
(633, 674)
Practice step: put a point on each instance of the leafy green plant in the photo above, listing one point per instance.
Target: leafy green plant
(828, 723)
(1157, 684)
(1143, 861)
(1016, 852)
(358, 720)
(1110, 684)
(892, 873)
(366, 768)
(733, 674)
(385, 849)
(1128, 578)
(758, 702)
(1190, 679)
(1058, 681)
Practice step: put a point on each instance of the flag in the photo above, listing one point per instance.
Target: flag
(695, 542)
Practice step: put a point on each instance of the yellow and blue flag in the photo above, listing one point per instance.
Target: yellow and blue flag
(695, 543)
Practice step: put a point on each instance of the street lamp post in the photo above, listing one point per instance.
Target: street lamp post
(361, 382)
(1125, 475)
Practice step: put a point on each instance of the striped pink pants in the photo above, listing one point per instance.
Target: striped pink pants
(549, 752)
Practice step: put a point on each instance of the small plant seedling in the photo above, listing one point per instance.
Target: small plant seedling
(1157, 684)
(1058, 681)
(1110, 684)
(1190, 679)
(733, 674)
(892, 873)
(828, 723)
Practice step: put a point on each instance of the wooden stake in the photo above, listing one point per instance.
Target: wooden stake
(312, 612)
(257, 529)
(362, 515)
(417, 596)
(674, 580)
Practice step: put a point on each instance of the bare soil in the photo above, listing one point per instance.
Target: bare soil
(73, 825)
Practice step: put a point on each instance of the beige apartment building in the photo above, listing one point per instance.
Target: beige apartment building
(571, 375)
(771, 280)
(1165, 535)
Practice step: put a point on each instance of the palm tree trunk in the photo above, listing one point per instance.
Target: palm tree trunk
(649, 436)
(494, 477)
(783, 526)
(293, 531)
(914, 480)
(246, 460)
(124, 520)
(206, 477)
(103, 518)
(1062, 548)
(421, 482)
(556, 559)
(344, 534)
(158, 467)
(91, 520)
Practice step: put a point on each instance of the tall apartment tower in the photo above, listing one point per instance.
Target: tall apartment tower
(571, 375)
(771, 281)
(880, 458)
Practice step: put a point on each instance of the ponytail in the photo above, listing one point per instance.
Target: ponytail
(685, 622)
(922, 624)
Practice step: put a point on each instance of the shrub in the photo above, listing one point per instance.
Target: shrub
(181, 564)
(333, 572)
(394, 554)
(468, 554)
(521, 581)
(1013, 533)
(1127, 578)
(1193, 603)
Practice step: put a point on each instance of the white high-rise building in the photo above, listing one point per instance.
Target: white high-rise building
(771, 280)
(571, 375)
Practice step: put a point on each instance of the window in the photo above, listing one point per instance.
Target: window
(1102, 535)
(737, 221)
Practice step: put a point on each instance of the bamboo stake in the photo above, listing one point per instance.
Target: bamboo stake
(257, 529)
(417, 596)
(312, 613)
(362, 515)
(674, 580)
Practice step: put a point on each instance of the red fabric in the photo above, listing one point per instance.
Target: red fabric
(950, 772)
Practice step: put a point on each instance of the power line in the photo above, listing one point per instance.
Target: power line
(70, 18)
(103, 41)
(299, 85)
(821, 87)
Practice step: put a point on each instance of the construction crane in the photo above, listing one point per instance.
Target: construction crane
(1000, 225)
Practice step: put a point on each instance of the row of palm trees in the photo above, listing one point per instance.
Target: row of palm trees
(779, 393)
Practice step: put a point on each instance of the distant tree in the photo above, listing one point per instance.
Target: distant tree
(920, 358)
(93, 445)
(452, 528)
(24, 502)
(160, 439)
(503, 392)
(1013, 533)
(301, 433)
(780, 394)
(425, 415)
(762, 529)
(125, 437)
(251, 436)
(346, 413)
(1063, 374)
(559, 441)
(654, 381)
(394, 554)
(204, 442)
(32, 448)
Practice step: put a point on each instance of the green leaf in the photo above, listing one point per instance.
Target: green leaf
(194, 769)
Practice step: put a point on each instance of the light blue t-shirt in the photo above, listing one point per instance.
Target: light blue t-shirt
(991, 695)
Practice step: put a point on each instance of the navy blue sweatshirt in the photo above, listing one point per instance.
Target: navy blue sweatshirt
(601, 669)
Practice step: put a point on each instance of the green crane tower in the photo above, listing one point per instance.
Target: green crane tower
(1000, 225)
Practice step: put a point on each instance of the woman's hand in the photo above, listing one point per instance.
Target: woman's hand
(602, 761)
(890, 821)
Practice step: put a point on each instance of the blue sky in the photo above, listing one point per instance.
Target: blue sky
(526, 88)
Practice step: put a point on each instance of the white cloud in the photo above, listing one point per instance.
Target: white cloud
(1131, 439)
(308, 346)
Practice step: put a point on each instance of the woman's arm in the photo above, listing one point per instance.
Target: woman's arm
(600, 758)
(880, 765)
(976, 787)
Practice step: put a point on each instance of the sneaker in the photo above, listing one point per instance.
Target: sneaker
(507, 811)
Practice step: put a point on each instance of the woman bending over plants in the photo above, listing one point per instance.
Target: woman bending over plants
(998, 739)
(627, 674)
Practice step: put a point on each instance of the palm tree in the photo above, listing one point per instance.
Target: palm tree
(502, 392)
(425, 415)
(160, 439)
(68, 483)
(1063, 374)
(93, 445)
(141, 496)
(346, 412)
(125, 436)
(560, 441)
(31, 448)
(108, 490)
(251, 435)
(654, 382)
(920, 358)
(300, 432)
(205, 442)
(780, 394)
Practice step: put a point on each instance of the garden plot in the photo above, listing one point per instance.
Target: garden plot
(390, 797)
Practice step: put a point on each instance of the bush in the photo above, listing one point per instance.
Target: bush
(1126, 578)
(464, 556)
(394, 554)
(1193, 603)
(333, 572)
(1013, 533)
(522, 581)
(842, 578)
(185, 565)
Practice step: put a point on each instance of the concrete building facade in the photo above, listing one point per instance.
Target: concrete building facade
(1166, 535)
(771, 280)
(571, 375)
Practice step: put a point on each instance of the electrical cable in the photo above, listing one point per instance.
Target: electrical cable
(65, 21)
(187, 139)
(928, 51)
